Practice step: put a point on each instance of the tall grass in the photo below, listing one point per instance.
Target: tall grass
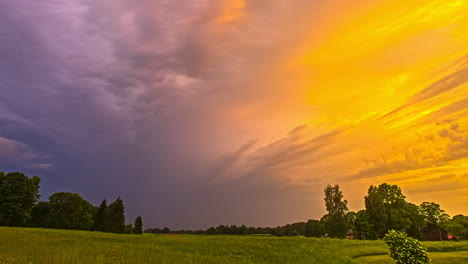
(46, 246)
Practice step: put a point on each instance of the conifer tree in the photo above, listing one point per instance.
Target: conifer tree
(116, 217)
(100, 219)
(138, 226)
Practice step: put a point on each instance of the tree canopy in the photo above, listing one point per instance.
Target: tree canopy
(138, 226)
(337, 209)
(18, 194)
(70, 211)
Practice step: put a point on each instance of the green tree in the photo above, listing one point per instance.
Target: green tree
(18, 194)
(100, 219)
(350, 219)
(337, 208)
(116, 217)
(387, 209)
(434, 217)
(129, 229)
(211, 231)
(244, 230)
(433, 214)
(314, 228)
(70, 211)
(362, 227)
(138, 226)
(40, 215)
(458, 226)
(416, 220)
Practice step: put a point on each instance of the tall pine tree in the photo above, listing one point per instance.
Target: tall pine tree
(116, 217)
(100, 219)
(138, 226)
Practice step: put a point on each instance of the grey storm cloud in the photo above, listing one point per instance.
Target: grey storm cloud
(112, 91)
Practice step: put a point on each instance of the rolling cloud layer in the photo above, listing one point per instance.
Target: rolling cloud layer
(209, 112)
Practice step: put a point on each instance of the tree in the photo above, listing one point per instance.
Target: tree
(458, 226)
(40, 215)
(434, 217)
(18, 194)
(138, 226)
(222, 229)
(129, 229)
(387, 208)
(350, 219)
(362, 227)
(116, 217)
(337, 209)
(211, 231)
(70, 211)
(243, 230)
(433, 214)
(165, 230)
(416, 221)
(313, 228)
(100, 219)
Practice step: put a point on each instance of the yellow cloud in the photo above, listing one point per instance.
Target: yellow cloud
(388, 75)
(231, 10)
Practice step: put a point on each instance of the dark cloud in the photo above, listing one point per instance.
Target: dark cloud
(124, 99)
(110, 98)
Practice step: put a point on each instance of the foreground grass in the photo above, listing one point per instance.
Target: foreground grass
(37, 246)
(456, 257)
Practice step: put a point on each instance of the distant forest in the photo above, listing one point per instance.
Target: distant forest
(386, 209)
(19, 206)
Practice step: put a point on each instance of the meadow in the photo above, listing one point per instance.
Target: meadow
(48, 246)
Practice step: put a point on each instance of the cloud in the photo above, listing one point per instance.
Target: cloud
(170, 95)
(15, 153)
(433, 150)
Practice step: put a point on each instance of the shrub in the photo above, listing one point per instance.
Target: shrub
(406, 250)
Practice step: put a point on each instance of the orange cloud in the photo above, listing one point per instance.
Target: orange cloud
(383, 79)
(231, 10)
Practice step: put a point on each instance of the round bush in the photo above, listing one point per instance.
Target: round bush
(406, 250)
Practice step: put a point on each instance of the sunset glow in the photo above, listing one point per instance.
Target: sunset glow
(231, 106)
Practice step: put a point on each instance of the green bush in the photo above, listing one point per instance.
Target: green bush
(406, 250)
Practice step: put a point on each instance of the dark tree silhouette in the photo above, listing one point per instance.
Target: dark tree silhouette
(138, 226)
(100, 219)
(40, 215)
(337, 208)
(116, 217)
(70, 211)
(313, 228)
(18, 194)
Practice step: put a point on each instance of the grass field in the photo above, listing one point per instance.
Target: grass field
(45, 246)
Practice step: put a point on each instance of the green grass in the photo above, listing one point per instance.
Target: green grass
(41, 246)
(436, 258)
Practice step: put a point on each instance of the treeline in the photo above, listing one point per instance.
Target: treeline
(19, 206)
(386, 209)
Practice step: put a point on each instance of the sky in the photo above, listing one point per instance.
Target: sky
(206, 112)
